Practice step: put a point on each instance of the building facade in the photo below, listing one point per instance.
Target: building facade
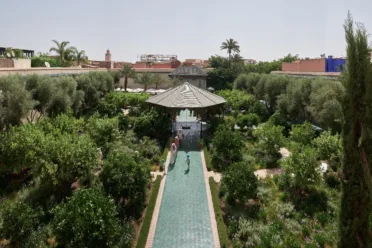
(329, 64)
(192, 74)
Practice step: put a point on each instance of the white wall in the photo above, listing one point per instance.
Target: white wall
(22, 63)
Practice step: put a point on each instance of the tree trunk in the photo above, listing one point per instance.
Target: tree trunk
(125, 83)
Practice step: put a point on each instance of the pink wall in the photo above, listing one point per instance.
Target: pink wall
(307, 65)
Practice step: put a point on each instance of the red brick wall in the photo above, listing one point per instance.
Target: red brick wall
(6, 63)
(307, 65)
(157, 65)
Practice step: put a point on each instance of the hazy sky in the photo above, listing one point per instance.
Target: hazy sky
(265, 29)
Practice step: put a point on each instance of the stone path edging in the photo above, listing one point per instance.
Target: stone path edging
(155, 215)
(216, 238)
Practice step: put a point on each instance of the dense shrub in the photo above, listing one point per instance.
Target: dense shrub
(153, 124)
(227, 145)
(240, 182)
(125, 180)
(270, 138)
(302, 133)
(88, 219)
(18, 220)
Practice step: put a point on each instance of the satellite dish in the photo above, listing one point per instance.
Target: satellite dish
(8, 55)
(13, 55)
(47, 64)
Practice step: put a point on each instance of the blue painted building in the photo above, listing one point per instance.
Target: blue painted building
(334, 64)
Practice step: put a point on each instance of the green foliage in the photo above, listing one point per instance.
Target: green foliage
(53, 62)
(123, 122)
(88, 219)
(240, 181)
(304, 166)
(146, 79)
(248, 120)
(142, 238)
(222, 233)
(270, 138)
(103, 131)
(16, 101)
(220, 78)
(356, 204)
(237, 99)
(296, 100)
(18, 53)
(328, 145)
(207, 157)
(127, 72)
(106, 109)
(302, 133)
(125, 180)
(94, 85)
(125, 100)
(18, 220)
(227, 146)
(152, 123)
(277, 119)
(216, 61)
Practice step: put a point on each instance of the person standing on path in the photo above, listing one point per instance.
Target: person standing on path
(177, 142)
(188, 161)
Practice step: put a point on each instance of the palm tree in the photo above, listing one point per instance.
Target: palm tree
(127, 72)
(230, 45)
(236, 58)
(78, 56)
(157, 80)
(145, 79)
(62, 50)
(174, 81)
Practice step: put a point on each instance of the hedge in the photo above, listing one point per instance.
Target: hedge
(224, 241)
(207, 157)
(141, 243)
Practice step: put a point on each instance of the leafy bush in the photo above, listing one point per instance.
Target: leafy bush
(224, 241)
(328, 145)
(241, 183)
(18, 220)
(103, 131)
(248, 120)
(123, 122)
(88, 219)
(270, 138)
(53, 62)
(126, 181)
(142, 238)
(227, 145)
(302, 133)
(106, 109)
(304, 166)
(332, 180)
(152, 124)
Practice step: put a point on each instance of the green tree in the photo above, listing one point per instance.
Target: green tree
(154, 124)
(220, 78)
(240, 181)
(305, 167)
(357, 141)
(231, 46)
(103, 131)
(227, 146)
(216, 61)
(270, 138)
(87, 219)
(17, 101)
(63, 51)
(126, 181)
(127, 72)
(79, 56)
(145, 79)
(157, 80)
(327, 145)
(248, 120)
(302, 133)
(236, 58)
(18, 220)
(240, 83)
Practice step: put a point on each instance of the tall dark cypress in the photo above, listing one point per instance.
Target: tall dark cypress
(357, 140)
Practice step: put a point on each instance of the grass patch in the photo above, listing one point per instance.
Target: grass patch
(224, 241)
(148, 217)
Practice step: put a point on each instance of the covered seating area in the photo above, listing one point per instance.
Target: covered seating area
(189, 106)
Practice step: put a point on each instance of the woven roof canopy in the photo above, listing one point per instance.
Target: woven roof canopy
(186, 96)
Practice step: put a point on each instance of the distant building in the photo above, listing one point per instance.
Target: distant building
(27, 53)
(198, 62)
(192, 74)
(322, 64)
(250, 61)
(107, 63)
(158, 61)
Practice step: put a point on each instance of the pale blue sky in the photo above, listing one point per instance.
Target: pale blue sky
(265, 29)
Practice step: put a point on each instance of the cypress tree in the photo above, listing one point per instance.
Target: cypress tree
(357, 140)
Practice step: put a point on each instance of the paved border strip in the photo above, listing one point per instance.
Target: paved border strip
(155, 215)
(210, 204)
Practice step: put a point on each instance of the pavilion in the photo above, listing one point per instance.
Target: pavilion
(188, 97)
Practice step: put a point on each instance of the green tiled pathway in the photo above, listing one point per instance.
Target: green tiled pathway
(184, 219)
